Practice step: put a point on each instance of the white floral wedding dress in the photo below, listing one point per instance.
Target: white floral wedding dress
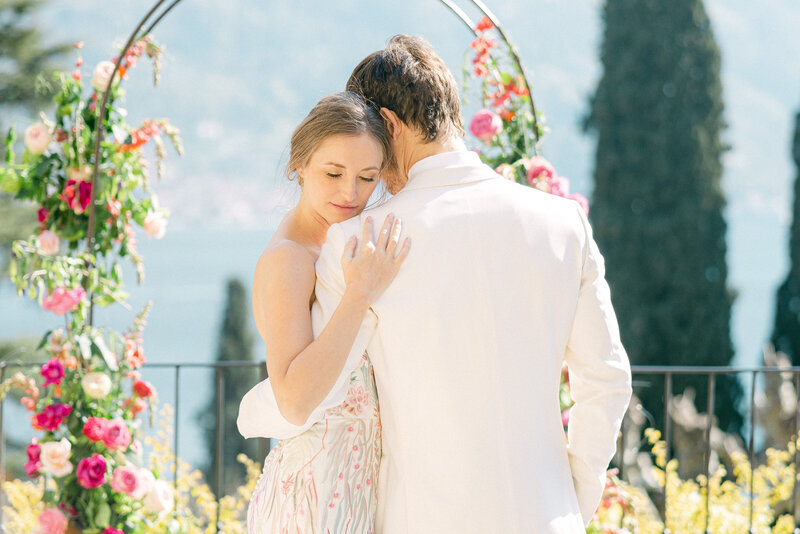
(323, 481)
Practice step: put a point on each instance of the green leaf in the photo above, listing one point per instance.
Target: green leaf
(103, 516)
(99, 348)
(44, 339)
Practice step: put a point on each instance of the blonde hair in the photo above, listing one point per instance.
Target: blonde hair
(344, 113)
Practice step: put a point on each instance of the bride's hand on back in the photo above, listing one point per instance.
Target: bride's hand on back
(369, 267)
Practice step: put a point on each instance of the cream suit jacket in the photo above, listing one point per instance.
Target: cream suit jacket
(503, 283)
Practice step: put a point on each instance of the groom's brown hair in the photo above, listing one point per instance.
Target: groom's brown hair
(409, 78)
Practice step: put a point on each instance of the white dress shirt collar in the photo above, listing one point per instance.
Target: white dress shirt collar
(448, 168)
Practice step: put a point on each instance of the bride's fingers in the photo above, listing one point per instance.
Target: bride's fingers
(350, 248)
(383, 238)
(401, 256)
(394, 237)
(366, 235)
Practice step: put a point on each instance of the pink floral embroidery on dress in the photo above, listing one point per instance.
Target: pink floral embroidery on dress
(357, 400)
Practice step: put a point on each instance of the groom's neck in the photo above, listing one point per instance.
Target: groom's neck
(426, 150)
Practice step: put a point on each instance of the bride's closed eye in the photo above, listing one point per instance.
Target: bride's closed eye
(334, 175)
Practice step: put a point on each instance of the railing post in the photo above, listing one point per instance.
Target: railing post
(220, 436)
(667, 440)
(175, 438)
(709, 421)
(2, 446)
(750, 449)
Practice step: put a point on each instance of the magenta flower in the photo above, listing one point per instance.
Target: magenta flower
(92, 471)
(52, 415)
(52, 372)
(112, 530)
(34, 463)
(485, 125)
(63, 300)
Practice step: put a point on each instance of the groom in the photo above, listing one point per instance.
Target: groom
(503, 284)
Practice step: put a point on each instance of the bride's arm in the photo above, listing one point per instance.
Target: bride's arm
(302, 370)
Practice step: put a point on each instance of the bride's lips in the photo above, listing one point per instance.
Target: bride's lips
(343, 207)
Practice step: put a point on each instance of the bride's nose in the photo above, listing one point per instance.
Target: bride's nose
(348, 189)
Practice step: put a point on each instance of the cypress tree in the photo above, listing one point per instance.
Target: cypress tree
(657, 203)
(235, 343)
(786, 335)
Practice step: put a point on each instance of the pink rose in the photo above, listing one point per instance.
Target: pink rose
(159, 498)
(92, 471)
(486, 124)
(55, 457)
(52, 372)
(559, 186)
(155, 225)
(50, 418)
(52, 521)
(48, 243)
(63, 300)
(95, 428)
(128, 479)
(580, 199)
(537, 167)
(34, 463)
(116, 434)
(37, 138)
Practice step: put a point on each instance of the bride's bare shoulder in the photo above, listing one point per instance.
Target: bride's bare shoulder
(283, 258)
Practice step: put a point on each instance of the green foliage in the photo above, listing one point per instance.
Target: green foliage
(657, 203)
(235, 344)
(786, 334)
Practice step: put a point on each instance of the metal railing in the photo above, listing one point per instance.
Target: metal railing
(666, 373)
(219, 383)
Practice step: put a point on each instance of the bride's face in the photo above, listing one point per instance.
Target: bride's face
(341, 175)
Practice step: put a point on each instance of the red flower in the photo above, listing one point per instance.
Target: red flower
(484, 24)
(95, 428)
(34, 463)
(143, 389)
(44, 213)
(50, 418)
(77, 200)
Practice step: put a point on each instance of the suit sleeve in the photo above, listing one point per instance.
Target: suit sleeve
(600, 380)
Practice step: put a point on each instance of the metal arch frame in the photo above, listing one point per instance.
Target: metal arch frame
(157, 17)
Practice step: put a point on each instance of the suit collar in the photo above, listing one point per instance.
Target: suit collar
(448, 168)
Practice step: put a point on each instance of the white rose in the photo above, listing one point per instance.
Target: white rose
(155, 225)
(96, 385)
(159, 497)
(48, 243)
(37, 138)
(55, 457)
(102, 74)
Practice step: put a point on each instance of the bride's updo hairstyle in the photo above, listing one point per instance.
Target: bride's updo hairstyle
(344, 113)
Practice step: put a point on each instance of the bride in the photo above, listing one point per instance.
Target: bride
(321, 478)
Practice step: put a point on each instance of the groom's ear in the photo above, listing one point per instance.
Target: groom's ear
(393, 123)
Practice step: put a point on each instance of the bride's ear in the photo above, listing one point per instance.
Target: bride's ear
(393, 123)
